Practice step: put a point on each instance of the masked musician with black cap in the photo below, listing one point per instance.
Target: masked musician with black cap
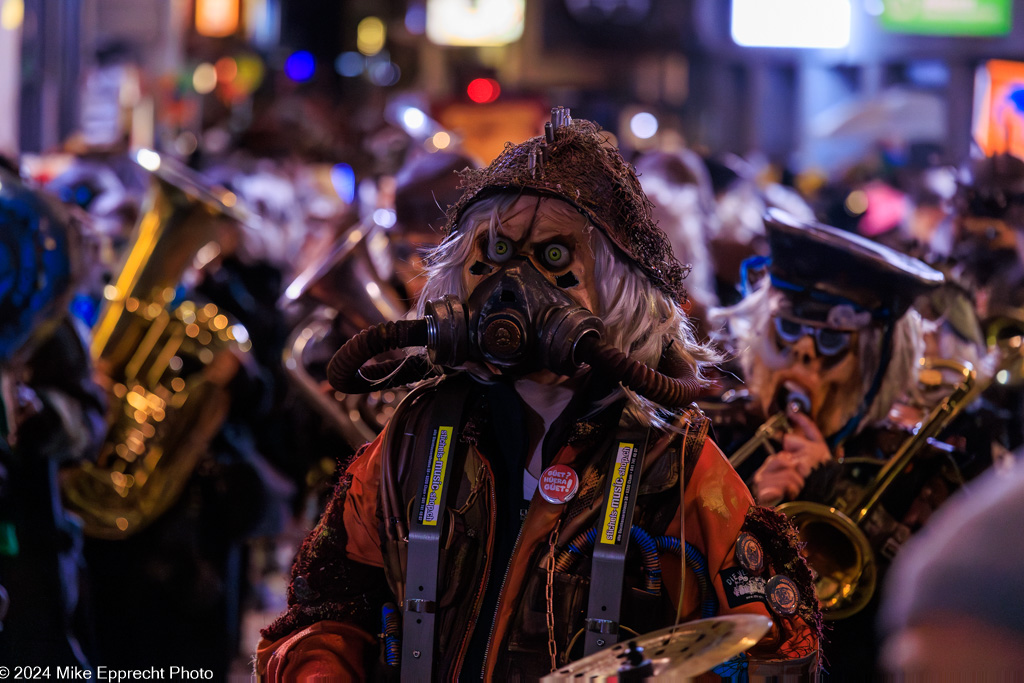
(831, 350)
(538, 500)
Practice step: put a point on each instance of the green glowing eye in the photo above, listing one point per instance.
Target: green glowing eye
(556, 256)
(501, 250)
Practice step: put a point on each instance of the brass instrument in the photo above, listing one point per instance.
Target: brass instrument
(795, 401)
(166, 362)
(1004, 334)
(347, 295)
(836, 546)
(762, 438)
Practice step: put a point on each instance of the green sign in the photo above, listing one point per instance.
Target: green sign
(949, 17)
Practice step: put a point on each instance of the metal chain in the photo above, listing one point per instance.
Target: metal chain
(549, 595)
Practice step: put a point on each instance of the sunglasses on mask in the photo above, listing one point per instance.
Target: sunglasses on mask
(828, 341)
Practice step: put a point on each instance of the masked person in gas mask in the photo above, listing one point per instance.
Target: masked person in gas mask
(830, 342)
(488, 525)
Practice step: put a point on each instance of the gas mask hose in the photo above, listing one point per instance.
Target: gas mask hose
(670, 392)
(346, 371)
(571, 338)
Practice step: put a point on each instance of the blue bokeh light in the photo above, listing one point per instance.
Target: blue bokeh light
(300, 66)
(343, 178)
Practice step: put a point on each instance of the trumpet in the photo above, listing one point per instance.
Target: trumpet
(795, 401)
(835, 544)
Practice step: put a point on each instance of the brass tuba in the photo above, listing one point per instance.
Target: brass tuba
(344, 293)
(835, 544)
(165, 361)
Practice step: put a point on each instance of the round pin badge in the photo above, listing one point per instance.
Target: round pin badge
(782, 594)
(749, 553)
(558, 484)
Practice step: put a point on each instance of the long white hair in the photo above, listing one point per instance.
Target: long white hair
(640, 320)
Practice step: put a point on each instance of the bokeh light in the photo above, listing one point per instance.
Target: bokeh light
(441, 140)
(643, 125)
(148, 159)
(300, 66)
(413, 119)
(12, 14)
(856, 202)
(227, 69)
(350, 64)
(416, 18)
(204, 78)
(216, 18)
(384, 73)
(370, 35)
(483, 90)
(250, 73)
(343, 178)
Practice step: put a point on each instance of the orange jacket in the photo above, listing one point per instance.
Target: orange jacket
(324, 631)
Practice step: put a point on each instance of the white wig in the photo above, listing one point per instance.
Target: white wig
(640, 320)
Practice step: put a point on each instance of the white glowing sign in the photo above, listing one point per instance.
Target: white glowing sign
(475, 22)
(791, 23)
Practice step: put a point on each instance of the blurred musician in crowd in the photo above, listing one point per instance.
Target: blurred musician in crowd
(182, 480)
(425, 186)
(493, 580)
(830, 345)
(52, 417)
(988, 217)
(679, 186)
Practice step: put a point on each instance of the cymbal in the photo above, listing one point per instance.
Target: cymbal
(686, 650)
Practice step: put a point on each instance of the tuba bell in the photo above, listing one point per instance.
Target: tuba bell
(836, 546)
(165, 361)
(342, 294)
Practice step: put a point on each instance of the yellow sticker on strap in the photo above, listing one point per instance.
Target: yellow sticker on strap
(625, 456)
(433, 503)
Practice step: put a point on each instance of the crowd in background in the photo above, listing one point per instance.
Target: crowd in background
(320, 234)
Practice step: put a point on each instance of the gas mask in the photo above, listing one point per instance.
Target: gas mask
(515, 321)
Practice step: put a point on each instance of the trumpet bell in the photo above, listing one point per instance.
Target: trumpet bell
(839, 554)
(348, 280)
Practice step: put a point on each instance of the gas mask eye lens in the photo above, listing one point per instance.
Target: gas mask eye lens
(500, 250)
(555, 256)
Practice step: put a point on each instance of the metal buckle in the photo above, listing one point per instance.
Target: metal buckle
(602, 626)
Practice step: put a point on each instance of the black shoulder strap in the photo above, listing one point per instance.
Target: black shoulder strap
(434, 452)
(609, 560)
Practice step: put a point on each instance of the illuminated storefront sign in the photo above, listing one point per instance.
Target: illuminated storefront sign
(948, 17)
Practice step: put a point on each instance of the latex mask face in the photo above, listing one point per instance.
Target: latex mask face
(550, 233)
(818, 362)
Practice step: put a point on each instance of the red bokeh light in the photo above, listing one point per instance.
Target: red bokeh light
(483, 90)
